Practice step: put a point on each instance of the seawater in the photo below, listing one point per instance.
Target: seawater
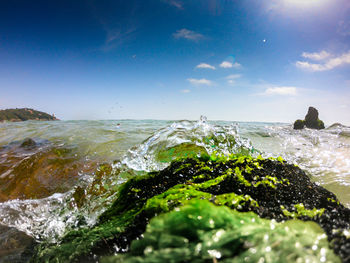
(68, 155)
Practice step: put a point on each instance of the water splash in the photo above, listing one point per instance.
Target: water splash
(186, 138)
(324, 154)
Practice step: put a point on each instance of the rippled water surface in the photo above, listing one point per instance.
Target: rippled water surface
(70, 171)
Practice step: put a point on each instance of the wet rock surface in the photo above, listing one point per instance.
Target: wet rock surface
(34, 168)
(270, 188)
(15, 246)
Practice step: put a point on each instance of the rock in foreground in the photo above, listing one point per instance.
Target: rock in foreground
(15, 246)
(202, 232)
(267, 188)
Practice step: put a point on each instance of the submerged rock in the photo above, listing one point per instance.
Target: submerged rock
(270, 188)
(28, 171)
(28, 143)
(311, 121)
(15, 245)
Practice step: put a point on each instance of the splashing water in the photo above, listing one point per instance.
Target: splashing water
(186, 138)
(151, 145)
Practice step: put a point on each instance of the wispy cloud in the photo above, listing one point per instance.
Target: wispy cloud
(231, 79)
(234, 76)
(199, 82)
(175, 3)
(185, 91)
(205, 65)
(316, 56)
(329, 64)
(188, 34)
(284, 91)
(228, 64)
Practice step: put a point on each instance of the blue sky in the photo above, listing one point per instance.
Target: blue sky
(251, 60)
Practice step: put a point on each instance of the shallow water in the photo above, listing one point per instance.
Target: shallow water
(56, 183)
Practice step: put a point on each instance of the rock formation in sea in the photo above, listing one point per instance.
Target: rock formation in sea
(213, 208)
(311, 121)
(25, 114)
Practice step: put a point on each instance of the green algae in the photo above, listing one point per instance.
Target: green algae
(301, 211)
(235, 201)
(269, 188)
(202, 232)
(184, 150)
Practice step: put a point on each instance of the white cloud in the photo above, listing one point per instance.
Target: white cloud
(231, 79)
(285, 91)
(198, 82)
(233, 76)
(188, 34)
(316, 56)
(205, 65)
(185, 91)
(329, 64)
(227, 64)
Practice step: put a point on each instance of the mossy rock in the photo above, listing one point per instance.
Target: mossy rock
(270, 188)
(311, 121)
(299, 124)
(203, 232)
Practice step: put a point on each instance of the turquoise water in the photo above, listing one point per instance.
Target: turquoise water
(67, 154)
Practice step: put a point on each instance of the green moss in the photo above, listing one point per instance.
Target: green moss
(81, 242)
(271, 181)
(264, 186)
(241, 177)
(235, 201)
(320, 124)
(299, 124)
(201, 232)
(175, 196)
(301, 211)
(184, 150)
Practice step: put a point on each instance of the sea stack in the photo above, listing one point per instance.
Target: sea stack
(311, 121)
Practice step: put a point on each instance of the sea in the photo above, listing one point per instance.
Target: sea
(43, 165)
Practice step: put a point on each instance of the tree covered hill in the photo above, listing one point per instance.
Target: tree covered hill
(25, 114)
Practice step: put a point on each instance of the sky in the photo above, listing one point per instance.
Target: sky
(251, 60)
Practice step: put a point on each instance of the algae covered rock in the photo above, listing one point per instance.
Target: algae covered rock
(202, 232)
(299, 124)
(270, 188)
(311, 121)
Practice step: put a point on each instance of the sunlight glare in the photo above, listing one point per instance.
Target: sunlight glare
(304, 3)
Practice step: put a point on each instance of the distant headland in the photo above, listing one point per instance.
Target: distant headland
(25, 114)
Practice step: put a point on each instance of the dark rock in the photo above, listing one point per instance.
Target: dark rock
(28, 143)
(15, 246)
(270, 188)
(311, 121)
(299, 124)
(312, 115)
